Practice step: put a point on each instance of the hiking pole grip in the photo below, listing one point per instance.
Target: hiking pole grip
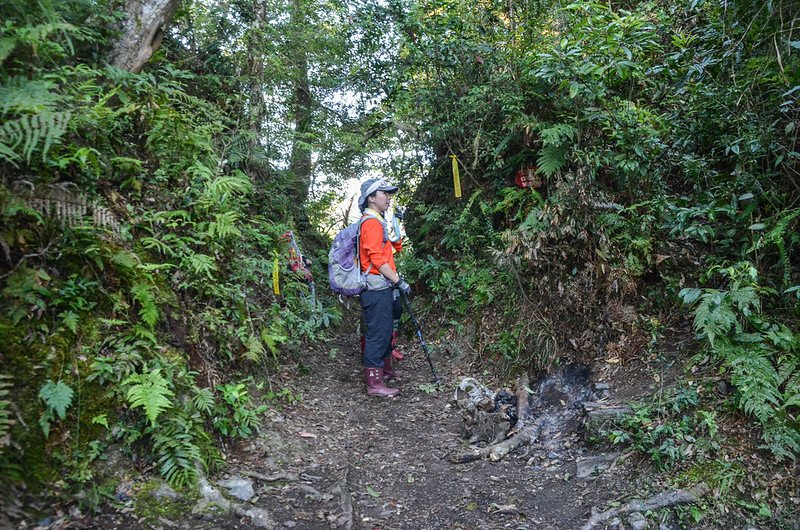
(418, 329)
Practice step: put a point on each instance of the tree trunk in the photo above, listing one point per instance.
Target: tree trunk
(300, 164)
(142, 32)
(256, 66)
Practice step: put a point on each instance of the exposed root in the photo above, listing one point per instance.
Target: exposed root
(289, 477)
(657, 502)
(346, 502)
(524, 432)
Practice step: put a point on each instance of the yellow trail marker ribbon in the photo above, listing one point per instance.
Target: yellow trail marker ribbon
(456, 177)
(276, 285)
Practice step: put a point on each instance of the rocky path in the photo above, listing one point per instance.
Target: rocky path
(341, 459)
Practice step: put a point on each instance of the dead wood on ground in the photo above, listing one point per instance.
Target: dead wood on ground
(345, 501)
(524, 432)
(657, 502)
(289, 477)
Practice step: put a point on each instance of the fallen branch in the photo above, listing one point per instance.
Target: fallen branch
(271, 478)
(657, 502)
(498, 451)
(346, 502)
(522, 434)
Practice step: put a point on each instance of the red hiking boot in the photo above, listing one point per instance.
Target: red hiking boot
(397, 354)
(388, 369)
(375, 386)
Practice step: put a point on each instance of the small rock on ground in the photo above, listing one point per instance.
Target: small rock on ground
(239, 487)
(164, 491)
(594, 464)
(637, 521)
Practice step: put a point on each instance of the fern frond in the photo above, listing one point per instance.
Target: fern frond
(782, 439)
(21, 137)
(714, 315)
(756, 382)
(224, 226)
(70, 319)
(558, 134)
(551, 159)
(789, 378)
(177, 453)
(160, 246)
(744, 298)
(254, 349)
(150, 391)
(57, 397)
(143, 294)
(200, 264)
(203, 400)
(776, 236)
(5, 411)
(220, 189)
(25, 96)
(125, 259)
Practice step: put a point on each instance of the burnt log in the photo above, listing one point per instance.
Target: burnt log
(524, 432)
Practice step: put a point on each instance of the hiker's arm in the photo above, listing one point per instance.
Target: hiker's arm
(388, 273)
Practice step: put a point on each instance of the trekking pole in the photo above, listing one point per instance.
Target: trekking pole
(407, 305)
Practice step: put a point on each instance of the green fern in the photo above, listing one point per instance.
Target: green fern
(714, 315)
(755, 379)
(5, 411)
(159, 245)
(27, 96)
(551, 159)
(558, 134)
(782, 439)
(150, 391)
(777, 236)
(70, 319)
(224, 226)
(125, 260)
(143, 294)
(273, 337)
(203, 400)
(177, 452)
(220, 189)
(200, 264)
(20, 138)
(789, 379)
(57, 397)
(254, 349)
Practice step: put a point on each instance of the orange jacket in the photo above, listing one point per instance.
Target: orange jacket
(372, 248)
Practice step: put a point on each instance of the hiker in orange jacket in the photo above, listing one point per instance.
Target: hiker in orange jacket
(378, 304)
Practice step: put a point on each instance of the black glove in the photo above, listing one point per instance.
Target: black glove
(400, 214)
(403, 287)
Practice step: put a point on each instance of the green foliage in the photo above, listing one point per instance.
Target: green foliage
(142, 293)
(669, 430)
(234, 415)
(177, 452)
(151, 391)
(762, 358)
(5, 412)
(57, 398)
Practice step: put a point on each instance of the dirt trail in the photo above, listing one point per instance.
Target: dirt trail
(392, 457)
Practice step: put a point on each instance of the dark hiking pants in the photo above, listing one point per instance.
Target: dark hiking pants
(378, 311)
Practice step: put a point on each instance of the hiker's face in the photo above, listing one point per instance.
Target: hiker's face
(381, 202)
